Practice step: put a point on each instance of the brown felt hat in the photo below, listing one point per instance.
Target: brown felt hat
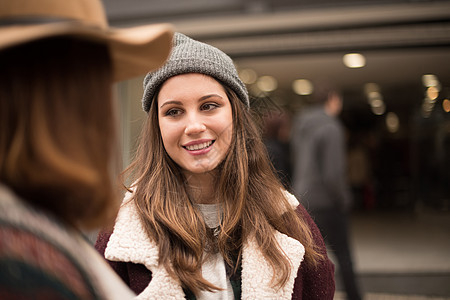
(134, 51)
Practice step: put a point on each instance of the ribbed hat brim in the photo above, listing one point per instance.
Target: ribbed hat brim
(191, 56)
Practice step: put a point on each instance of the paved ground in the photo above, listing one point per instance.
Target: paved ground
(401, 255)
(381, 296)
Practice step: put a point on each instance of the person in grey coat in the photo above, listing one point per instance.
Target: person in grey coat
(319, 176)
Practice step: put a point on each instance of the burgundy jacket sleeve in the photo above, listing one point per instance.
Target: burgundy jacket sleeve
(314, 282)
(136, 276)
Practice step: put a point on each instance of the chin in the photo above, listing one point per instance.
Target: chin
(201, 168)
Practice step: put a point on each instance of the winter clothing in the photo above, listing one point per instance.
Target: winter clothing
(319, 175)
(319, 179)
(190, 56)
(42, 258)
(135, 258)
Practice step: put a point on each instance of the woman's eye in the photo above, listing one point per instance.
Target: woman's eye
(172, 112)
(209, 106)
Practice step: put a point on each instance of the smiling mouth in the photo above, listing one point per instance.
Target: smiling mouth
(199, 146)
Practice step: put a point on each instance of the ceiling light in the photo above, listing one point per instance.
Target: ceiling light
(302, 87)
(371, 88)
(392, 122)
(354, 60)
(378, 107)
(374, 97)
(430, 80)
(248, 76)
(267, 83)
(432, 93)
(446, 105)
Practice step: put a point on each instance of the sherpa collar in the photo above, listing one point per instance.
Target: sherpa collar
(130, 243)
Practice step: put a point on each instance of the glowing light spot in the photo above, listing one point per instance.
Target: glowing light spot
(371, 88)
(430, 80)
(378, 107)
(248, 76)
(377, 103)
(446, 105)
(267, 83)
(392, 122)
(302, 87)
(374, 98)
(354, 60)
(432, 93)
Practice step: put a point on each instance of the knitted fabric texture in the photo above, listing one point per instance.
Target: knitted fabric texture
(191, 56)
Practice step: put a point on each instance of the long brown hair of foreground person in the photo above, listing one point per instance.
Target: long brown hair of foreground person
(253, 204)
(57, 137)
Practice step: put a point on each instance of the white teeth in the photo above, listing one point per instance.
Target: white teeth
(199, 146)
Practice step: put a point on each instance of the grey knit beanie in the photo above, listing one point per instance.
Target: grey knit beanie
(191, 56)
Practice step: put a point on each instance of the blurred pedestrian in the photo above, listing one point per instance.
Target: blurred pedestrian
(206, 217)
(58, 146)
(276, 139)
(319, 176)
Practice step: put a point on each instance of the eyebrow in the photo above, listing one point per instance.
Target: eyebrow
(205, 97)
(171, 102)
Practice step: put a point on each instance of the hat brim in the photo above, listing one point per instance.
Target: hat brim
(134, 51)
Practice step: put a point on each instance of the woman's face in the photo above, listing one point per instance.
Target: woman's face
(196, 122)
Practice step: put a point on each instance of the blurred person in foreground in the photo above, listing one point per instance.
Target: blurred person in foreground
(58, 146)
(206, 216)
(319, 176)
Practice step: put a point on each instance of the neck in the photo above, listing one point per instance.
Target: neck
(200, 187)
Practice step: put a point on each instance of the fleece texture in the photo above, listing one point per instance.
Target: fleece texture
(129, 243)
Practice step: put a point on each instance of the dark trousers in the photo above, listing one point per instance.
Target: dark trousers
(334, 228)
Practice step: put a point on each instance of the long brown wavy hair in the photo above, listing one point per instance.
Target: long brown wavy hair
(58, 134)
(246, 186)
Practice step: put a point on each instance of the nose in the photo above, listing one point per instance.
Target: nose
(194, 126)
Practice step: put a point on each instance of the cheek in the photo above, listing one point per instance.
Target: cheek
(167, 134)
(229, 129)
(226, 134)
(229, 135)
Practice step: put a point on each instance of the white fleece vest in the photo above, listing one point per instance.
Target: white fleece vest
(130, 243)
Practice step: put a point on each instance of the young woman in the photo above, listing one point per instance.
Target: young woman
(58, 147)
(205, 216)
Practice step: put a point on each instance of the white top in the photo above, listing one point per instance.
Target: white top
(213, 269)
